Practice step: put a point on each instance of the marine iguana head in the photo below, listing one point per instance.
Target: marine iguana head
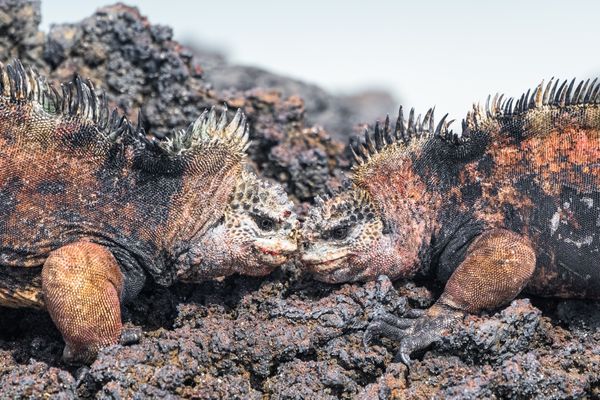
(242, 223)
(380, 223)
(344, 239)
(257, 231)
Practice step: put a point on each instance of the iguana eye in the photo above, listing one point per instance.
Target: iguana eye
(339, 232)
(264, 223)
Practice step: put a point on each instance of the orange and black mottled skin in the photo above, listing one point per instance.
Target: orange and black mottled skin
(513, 204)
(61, 184)
(542, 185)
(89, 207)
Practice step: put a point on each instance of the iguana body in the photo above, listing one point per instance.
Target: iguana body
(513, 203)
(91, 206)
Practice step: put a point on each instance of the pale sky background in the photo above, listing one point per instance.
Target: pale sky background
(443, 53)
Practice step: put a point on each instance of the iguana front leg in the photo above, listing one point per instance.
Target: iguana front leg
(498, 264)
(82, 285)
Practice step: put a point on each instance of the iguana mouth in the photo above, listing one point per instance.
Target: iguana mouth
(327, 265)
(272, 258)
(274, 253)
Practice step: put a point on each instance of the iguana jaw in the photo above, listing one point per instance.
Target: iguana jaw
(339, 266)
(274, 252)
(320, 262)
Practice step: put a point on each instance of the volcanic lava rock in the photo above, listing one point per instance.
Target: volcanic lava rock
(285, 336)
(140, 66)
(339, 114)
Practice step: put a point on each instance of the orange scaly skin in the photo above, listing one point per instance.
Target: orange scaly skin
(94, 320)
(91, 206)
(512, 204)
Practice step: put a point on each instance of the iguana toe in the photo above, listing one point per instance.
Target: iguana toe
(78, 355)
(417, 332)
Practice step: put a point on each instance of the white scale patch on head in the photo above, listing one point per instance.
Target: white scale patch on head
(260, 196)
(261, 218)
(353, 206)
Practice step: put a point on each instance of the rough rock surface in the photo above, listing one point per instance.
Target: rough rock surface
(139, 64)
(339, 114)
(286, 336)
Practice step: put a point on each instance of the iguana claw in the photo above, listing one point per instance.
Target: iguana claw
(416, 331)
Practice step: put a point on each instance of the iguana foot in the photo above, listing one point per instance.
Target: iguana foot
(416, 331)
(76, 355)
(82, 284)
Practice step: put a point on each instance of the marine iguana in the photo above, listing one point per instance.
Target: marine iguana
(91, 206)
(510, 204)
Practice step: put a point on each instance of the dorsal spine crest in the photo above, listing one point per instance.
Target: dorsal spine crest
(551, 96)
(497, 112)
(79, 100)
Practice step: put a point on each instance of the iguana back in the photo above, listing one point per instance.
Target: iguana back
(91, 205)
(510, 203)
(539, 176)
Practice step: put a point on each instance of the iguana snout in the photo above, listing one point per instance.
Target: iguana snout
(275, 252)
